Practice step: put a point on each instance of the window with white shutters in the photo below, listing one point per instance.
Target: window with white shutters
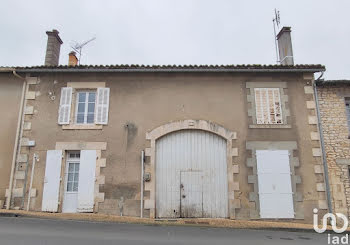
(90, 110)
(65, 105)
(85, 107)
(102, 106)
(268, 106)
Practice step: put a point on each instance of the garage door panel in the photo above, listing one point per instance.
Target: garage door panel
(191, 150)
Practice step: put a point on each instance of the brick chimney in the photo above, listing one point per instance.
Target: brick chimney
(285, 46)
(72, 60)
(53, 48)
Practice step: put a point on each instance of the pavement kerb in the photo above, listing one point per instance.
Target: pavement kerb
(213, 223)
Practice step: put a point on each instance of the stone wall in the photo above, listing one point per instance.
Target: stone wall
(337, 143)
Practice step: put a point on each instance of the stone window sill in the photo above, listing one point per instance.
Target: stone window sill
(270, 126)
(81, 126)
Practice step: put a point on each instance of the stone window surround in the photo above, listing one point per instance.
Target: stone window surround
(283, 97)
(253, 179)
(100, 163)
(232, 167)
(85, 86)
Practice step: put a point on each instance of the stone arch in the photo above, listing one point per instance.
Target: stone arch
(232, 167)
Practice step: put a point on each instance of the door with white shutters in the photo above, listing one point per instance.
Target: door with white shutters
(274, 182)
(191, 156)
(86, 185)
(52, 181)
(70, 198)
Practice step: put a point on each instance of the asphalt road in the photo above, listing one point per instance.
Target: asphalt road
(30, 231)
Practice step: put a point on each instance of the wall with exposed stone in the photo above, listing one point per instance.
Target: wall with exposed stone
(337, 143)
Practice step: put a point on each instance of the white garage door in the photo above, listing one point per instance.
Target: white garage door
(191, 175)
(274, 181)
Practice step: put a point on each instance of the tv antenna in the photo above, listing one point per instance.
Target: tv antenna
(77, 47)
(276, 22)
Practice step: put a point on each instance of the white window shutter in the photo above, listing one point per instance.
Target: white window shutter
(52, 181)
(102, 106)
(65, 105)
(86, 185)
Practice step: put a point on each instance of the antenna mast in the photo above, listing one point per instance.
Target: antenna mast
(77, 47)
(276, 22)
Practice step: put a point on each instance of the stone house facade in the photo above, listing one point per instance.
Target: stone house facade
(238, 142)
(333, 96)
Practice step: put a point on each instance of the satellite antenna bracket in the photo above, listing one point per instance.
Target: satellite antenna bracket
(276, 22)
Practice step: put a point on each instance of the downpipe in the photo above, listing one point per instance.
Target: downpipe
(142, 173)
(35, 159)
(324, 159)
(17, 138)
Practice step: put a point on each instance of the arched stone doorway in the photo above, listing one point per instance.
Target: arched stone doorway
(203, 129)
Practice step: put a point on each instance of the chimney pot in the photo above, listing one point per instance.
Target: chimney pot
(72, 59)
(53, 48)
(285, 49)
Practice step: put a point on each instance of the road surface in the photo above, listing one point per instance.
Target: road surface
(32, 231)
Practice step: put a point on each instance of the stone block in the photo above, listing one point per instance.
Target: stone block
(19, 175)
(22, 158)
(29, 110)
(315, 136)
(312, 120)
(235, 186)
(149, 204)
(308, 90)
(30, 95)
(297, 179)
(322, 204)
(316, 152)
(234, 152)
(310, 104)
(17, 192)
(252, 179)
(27, 126)
(318, 169)
(32, 80)
(320, 187)
(235, 169)
(236, 203)
(148, 152)
(101, 162)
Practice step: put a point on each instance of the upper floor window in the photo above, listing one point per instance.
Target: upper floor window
(347, 105)
(85, 109)
(268, 106)
(88, 109)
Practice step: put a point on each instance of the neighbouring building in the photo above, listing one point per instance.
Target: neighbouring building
(334, 106)
(233, 141)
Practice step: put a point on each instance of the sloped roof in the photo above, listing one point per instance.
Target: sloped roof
(168, 68)
(332, 82)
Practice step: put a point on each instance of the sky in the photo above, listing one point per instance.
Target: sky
(177, 31)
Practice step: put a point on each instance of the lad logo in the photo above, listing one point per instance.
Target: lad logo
(332, 239)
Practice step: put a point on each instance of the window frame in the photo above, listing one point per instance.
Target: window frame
(86, 112)
(266, 90)
(284, 99)
(347, 111)
(73, 160)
